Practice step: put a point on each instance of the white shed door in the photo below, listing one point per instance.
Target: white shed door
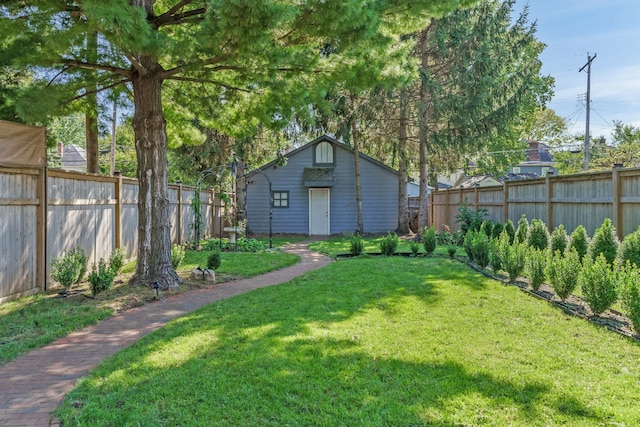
(319, 211)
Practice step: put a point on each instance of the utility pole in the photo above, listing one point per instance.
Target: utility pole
(586, 135)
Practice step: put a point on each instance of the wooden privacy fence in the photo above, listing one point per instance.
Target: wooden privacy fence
(570, 200)
(43, 214)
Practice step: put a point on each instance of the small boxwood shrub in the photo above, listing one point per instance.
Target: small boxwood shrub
(598, 284)
(214, 259)
(116, 260)
(535, 263)
(101, 277)
(511, 230)
(415, 248)
(356, 245)
(452, 249)
(66, 269)
(81, 259)
(562, 272)
(177, 256)
(522, 231)
(512, 257)
(389, 244)
(629, 249)
(559, 239)
(579, 241)
(604, 242)
(429, 240)
(628, 289)
(480, 249)
(538, 235)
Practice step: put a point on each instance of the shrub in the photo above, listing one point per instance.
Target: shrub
(496, 230)
(480, 249)
(177, 255)
(250, 245)
(101, 277)
(81, 259)
(214, 260)
(512, 257)
(444, 237)
(65, 270)
(629, 249)
(469, 219)
(511, 231)
(559, 239)
(452, 249)
(538, 235)
(468, 243)
(221, 244)
(562, 272)
(579, 241)
(356, 245)
(486, 227)
(598, 284)
(389, 244)
(522, 231)
(494, 257)
(415, 248)
(116, 260)
(629, 293)
(429, 240)
(604, 242)
(535, 263)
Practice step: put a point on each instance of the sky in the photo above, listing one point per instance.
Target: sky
(609, 29)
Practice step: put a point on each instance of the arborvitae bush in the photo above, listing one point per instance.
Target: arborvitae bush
(177, 255)
(562, 272)
(629, 249)
(389, 244)
(468, 243)
(356, 245)
(214, 259)
(116, 260)
(101, 277)
(81, 259)
(469, 219)
(538, 235)
(604, 242)
(415, 248)
(452, 249)
(494, 256)
(496, 230)
(486, 227)
(429, 240)
(628, 290)
(535, 263)
(559, 239)
(522, 231)
(579, 241)
(598, 284)
(511, 230)
(480, 249)
(512, 257)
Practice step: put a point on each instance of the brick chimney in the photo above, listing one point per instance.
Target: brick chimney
(532, 151)
(60, 149)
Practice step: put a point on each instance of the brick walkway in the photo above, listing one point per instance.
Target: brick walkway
(33, 385)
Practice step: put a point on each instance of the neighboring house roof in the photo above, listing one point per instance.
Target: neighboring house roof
(538, 152)
(74, 157)
(519, 176)
(476, 181)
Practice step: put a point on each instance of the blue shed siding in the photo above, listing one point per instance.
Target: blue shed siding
(379, 196)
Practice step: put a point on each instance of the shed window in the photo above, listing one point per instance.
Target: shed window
(324, 153)
(280, 199)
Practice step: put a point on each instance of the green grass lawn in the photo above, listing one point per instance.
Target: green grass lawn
(341, 245)
(32, 322)
(384, 341)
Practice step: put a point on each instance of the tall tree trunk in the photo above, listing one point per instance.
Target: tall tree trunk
(356, 164)
(403, 210)
(425, 109)
(241, 191)
(154, 241)
(91, 114)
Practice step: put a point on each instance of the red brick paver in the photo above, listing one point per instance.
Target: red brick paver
(33, 385)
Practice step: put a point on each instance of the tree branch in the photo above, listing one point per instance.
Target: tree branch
(215, 82)
(137, 65)
(75, 98)
(172, 16)
(88, 66)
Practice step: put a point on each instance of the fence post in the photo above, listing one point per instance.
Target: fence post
(617, 207)
(179, 210)
(41, 231)
(118, 213)
(550, 225)
(505, 202)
